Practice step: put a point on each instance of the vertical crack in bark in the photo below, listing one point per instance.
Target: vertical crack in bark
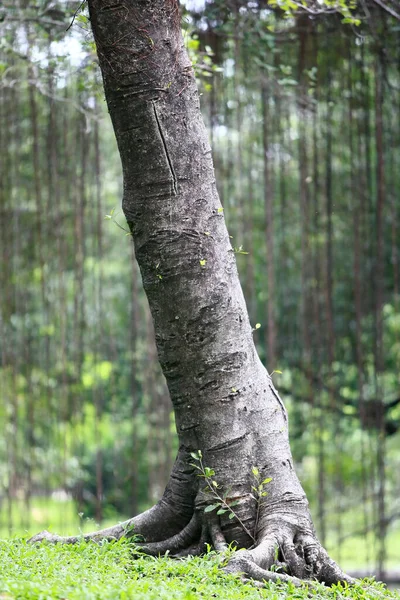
(164, 142)
(280, 402)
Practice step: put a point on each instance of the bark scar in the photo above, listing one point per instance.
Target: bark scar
(280, 402)
(187, 427)
(228, 443)
(171, 168)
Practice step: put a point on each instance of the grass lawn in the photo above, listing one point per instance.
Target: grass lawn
(114, 571)
(62, 518)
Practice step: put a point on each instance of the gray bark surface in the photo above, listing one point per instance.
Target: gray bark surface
(224, 400)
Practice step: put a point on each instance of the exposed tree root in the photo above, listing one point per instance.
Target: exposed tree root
(146, 524)
(199, 548)
(243, 563)
(161, 522)
(217, 537)
(179, 542)
(305, 561)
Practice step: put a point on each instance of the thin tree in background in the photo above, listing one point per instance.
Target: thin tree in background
(379, 285)
(269, 226)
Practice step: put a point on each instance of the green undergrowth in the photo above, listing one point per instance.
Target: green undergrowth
(61, 517)
(115, 571)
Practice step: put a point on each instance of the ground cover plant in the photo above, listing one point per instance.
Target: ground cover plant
(352, 554)
(116, 570)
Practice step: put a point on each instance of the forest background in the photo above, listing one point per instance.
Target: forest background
(303, 116)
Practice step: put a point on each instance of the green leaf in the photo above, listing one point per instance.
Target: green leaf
(255, 471)
(351, 20)
(211, 507)
(232, 515)
(227, 492)
(222, 511)
(195, 455)
(267, 480)
(82, 19)
(258, 325)
(220, 210)
(203, 262)
(239, 250)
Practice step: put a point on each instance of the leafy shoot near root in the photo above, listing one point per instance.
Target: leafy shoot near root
(221, 502)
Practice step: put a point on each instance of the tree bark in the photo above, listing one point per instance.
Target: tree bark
(224, 400)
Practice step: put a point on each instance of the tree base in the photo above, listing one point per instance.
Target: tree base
(285, 557)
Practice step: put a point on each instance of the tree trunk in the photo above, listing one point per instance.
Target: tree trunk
(224, 400)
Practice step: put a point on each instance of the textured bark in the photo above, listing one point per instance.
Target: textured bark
(224, 400)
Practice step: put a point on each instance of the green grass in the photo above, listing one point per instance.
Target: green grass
(113, 571)
(62, 518)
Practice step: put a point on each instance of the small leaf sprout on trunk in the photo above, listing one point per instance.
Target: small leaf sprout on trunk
(221, 501)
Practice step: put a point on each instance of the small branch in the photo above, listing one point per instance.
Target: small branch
(76, 14)
(388, 9)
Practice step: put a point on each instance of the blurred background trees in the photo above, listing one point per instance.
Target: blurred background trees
(303, 115)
